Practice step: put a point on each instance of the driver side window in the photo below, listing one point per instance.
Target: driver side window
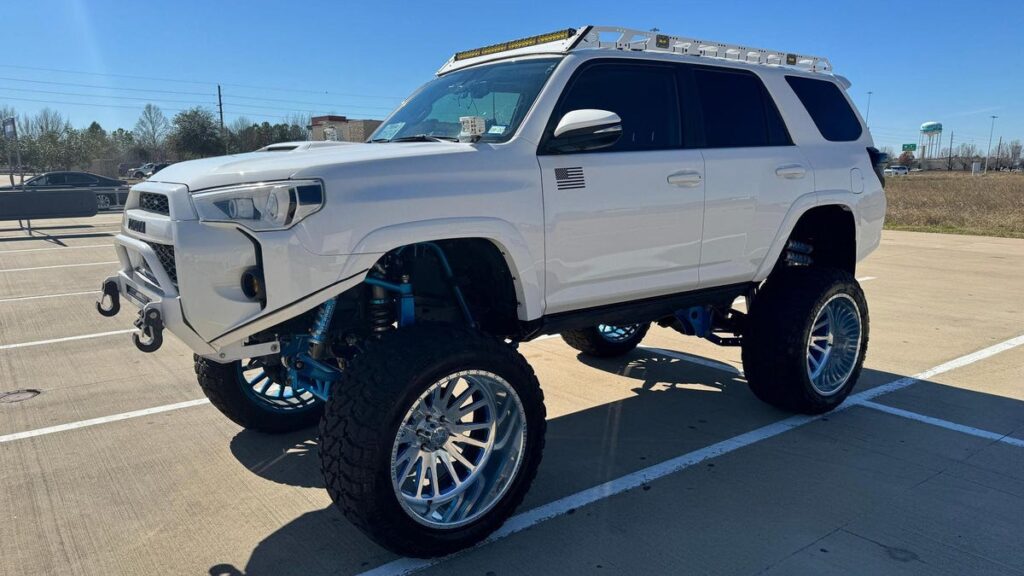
(643, 95)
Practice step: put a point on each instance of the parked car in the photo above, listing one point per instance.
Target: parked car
(141, 172)
(557, 184)
(896, 171)
(109, 191)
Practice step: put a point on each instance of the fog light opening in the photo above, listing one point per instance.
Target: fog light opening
(252, 285)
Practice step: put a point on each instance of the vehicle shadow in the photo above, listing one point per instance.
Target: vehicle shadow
(675, 407)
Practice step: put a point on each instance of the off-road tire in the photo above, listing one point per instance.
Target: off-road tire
(366, 408)
(222, 384)
(777, 332)
(591, 342)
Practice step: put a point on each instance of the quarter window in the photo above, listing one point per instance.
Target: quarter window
(643, 96)
(737, 110)
(828, 108)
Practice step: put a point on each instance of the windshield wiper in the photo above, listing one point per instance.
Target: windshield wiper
(424, 138)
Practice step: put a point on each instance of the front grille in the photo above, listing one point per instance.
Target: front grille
(165, 253)
(151, 202)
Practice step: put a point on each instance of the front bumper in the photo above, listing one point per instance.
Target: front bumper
(189, 274)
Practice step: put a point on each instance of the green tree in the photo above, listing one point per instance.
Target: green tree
(196, 134)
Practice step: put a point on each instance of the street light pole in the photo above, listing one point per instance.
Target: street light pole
(867, 115)
(989, 151)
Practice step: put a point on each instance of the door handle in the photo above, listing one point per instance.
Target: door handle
(791, 171)
(686, 179)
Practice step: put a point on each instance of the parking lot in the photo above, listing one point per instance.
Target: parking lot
(658, 462)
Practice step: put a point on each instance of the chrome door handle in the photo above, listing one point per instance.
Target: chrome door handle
(686, 179)
(791, 171)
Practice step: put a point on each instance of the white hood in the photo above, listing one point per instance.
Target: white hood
(263, 166)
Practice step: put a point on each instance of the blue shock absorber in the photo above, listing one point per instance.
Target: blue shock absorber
(318, 335)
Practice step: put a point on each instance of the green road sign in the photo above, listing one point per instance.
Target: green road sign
(909, 147)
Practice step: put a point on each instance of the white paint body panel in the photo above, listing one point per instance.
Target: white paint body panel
(630, 234)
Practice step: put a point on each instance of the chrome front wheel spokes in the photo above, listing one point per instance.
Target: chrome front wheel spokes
(268, 387)
(458, 449)
(833, 345)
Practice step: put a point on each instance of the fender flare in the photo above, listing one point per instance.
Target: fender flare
(801, 206)
(525, 267)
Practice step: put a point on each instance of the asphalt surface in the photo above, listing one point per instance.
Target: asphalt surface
(921, 473)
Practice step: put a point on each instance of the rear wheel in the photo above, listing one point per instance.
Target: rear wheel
(806, 338)
(431, 454)
(257, 396)
(606, 340)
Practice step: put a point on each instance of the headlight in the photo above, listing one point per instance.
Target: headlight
(262, 206)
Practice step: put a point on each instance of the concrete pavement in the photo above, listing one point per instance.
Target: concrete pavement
(859, 491)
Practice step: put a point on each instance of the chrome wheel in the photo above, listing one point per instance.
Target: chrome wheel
(458, 449)
(268, 388)
(102, 202)
(833, 346)
(617, 333)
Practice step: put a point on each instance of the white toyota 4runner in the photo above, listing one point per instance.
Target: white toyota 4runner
(586, 182)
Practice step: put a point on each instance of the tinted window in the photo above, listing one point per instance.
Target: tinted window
(737, 110)
(56, 179)
(828, 108)
(80, 179)
(643, 96)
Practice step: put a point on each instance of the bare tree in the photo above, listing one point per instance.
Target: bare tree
(151, 129)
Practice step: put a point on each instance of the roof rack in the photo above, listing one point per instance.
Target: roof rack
(615, 38)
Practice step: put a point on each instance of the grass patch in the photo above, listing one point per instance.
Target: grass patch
(957, 203)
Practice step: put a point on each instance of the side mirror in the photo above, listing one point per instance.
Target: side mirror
(588, 129)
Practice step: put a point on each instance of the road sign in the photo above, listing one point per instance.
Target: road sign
(909, 147)
(10, 131)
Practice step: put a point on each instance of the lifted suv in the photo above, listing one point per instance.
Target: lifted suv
(586, 182)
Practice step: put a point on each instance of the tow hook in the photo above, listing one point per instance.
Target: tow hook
(109, 303)
(150, 336)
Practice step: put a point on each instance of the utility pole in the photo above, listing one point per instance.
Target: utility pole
(989, 151)
(949, 162)
(867, 115)
(220, 107)
(999, 150)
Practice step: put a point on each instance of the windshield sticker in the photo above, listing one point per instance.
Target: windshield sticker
(496, 130)
(388, 132)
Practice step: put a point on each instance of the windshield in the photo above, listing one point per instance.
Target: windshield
(499, 93)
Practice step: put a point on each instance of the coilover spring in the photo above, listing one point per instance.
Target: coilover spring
(381, 310)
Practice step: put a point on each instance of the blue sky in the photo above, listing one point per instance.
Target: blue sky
(953, 62)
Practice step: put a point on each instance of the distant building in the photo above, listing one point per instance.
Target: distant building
(341, 129)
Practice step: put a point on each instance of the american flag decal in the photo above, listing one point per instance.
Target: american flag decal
(569, 178)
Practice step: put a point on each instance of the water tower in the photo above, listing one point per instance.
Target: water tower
(930, 140)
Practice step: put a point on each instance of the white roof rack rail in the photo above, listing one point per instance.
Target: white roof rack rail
(614, 38)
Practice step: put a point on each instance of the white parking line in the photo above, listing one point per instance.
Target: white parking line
(65, 339)
(865, 278)
(102, 420)
(942, 423)
(700, 361)
(59, 266)
(562, 506)
(2, 252)
(42, 296)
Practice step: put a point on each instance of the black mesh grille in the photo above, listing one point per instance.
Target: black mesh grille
(165, 253)
(154, 203)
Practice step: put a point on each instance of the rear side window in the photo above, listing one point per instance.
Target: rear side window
(737, 110)
(643, 96)
(828, 108)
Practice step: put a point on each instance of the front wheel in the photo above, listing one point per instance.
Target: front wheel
(430, 454)
(256, 395)
(103, 202)
(607, 340)
(806, 339)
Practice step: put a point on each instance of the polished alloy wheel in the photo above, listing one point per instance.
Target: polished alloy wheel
(833, 346)
(268, 388)
(458, 449)
(617, 333)
(102, 202)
